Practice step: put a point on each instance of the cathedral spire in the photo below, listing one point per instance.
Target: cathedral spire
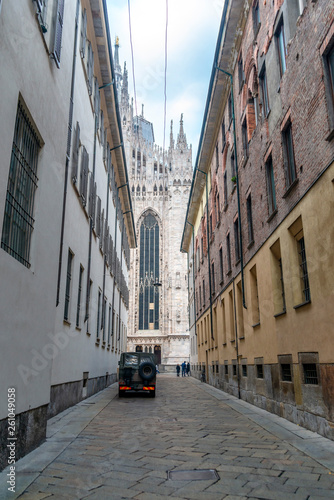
(118, 69)
(181, 138)
(171, 140)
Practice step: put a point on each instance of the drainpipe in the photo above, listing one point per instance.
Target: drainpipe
(208, 237)
(236, 340)
(114, 283)
(68, 151)
(238, 190)
(120, 301)
(105, 259)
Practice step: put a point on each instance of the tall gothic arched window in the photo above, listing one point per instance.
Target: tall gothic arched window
(149, 274)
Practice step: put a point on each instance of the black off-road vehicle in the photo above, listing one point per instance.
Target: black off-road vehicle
(137, 373)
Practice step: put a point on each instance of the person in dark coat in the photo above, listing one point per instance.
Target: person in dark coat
(178, 370)
(188, 369)
(184, 366)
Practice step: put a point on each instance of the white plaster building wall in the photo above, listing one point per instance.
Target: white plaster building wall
(27, 296)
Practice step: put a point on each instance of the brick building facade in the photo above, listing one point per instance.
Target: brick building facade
(262, 209)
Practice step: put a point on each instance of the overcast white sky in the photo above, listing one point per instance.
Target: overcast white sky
(193, 27)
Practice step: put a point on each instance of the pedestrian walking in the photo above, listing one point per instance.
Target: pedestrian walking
(188, 369)
(157, 368)
(178, 368)
(184, 367)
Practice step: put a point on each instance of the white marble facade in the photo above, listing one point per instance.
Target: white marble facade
(160, 183)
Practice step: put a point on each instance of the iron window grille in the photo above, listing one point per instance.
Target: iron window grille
(234, 370)
(226, 369)
(303, 270)
(286, 372)
(259, 371)
(244, 370)
(98, 314)
(225, 189)
(282, 284)
(203, 293)
(228, 246)
(221, 264)
(18, 222)
(213, 281)
(310, 373)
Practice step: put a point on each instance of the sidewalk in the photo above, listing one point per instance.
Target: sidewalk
(111, 448)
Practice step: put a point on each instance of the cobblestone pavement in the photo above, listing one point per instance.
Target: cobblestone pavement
(106, 448)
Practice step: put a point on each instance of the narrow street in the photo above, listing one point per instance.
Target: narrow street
(111, 448)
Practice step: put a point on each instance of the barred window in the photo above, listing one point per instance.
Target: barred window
(18, 222)
(286, 372)
(303, 270)
(68, 285)
(310, 373)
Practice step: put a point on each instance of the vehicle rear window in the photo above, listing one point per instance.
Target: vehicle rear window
(131, 360)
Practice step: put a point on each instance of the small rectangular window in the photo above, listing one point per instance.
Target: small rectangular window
(203, 293)
(256, 16)
(213, 281)
(259, 371)
(241, 74)
(225, 189)
(244, 370)
(83, 33)
(226, 369)
(286, 372)
(234, 370)
(245, 137)
(217, 157)
(310, 373)
(98, 316)
(58, 32)
(229, 104)
(223, 136)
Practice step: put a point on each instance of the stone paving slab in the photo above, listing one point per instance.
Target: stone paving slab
(116, 449)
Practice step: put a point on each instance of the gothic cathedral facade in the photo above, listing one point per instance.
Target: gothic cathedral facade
(160, 184)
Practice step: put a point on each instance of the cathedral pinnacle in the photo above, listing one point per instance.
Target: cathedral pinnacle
(171, 141)
(181, 138)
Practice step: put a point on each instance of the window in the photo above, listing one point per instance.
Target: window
(98, 317)
(226, 369)
(303, 270)
(286, 372)
(327, 53)
(234, 370)
(244, 138)
(210, 226)
(310, 373)
(109, 324)
(229, 104)
(290, 167)
(225, 189)
(236, 241)
(18, 222)
(254, 296)
(264, 91)
(203, 293)
(90, 67)
(58, 32)
(233, 169)
(200, 297)
(84, 176)
(259, 371)
(217, 207)
(271, 193)
(250, 220)
(213, 281)
(241, 74)
(281, 47)
(83, 33)
(277, 279)
(256, 16)
(223, 136)
(68, 285)
(221, 264)
(75, 154)
(149, 273)
(244, 370)
(77, 323)
(330, 63)
(228, 246)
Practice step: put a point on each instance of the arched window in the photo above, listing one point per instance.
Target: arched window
(149, 274)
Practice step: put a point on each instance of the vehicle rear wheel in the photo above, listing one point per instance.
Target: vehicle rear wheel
(147, 370)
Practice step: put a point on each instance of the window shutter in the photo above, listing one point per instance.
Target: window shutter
(58, 31)
(106, 238)
(94, 205)
(75, 158)
(84, 176)
(90, 67)
(98, 217)
(102, 128)
(97, 102)
(101, 230)
(83, 33)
